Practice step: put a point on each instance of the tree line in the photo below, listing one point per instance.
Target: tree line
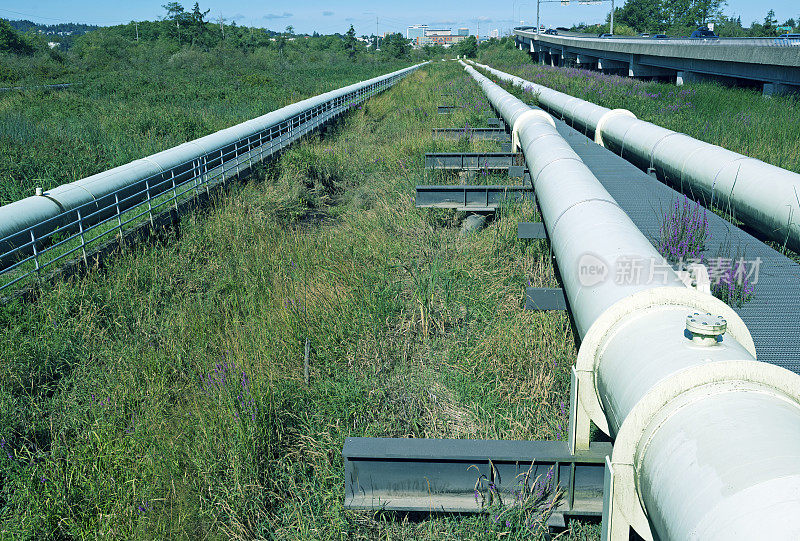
(681, 17)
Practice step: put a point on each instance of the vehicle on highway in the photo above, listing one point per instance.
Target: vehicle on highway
(644, 35)
(659, 36)
(605, 35)
(703, 32)
(551, 32)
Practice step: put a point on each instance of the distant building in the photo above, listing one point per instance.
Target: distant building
(421, 35)
(444, 37)
(416, 31)
(494, 33)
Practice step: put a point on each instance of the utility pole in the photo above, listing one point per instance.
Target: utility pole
(136, 23)
(377, 38)
(537, 16)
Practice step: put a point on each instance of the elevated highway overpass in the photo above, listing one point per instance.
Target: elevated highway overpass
(773, 63)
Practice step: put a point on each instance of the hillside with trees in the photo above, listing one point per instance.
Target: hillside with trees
(27, 59)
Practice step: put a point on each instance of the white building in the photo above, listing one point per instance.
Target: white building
(416, 31)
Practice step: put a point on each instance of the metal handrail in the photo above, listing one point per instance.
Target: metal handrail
(38, 246)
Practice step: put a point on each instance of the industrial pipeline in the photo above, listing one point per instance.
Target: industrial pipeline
(764, 196)
(706, 438)
(28, 226)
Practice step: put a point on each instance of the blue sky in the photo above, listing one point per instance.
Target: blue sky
(328, 17)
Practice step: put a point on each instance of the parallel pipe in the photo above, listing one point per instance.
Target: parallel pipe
(764, 196)
(704, 433)
(38, 212)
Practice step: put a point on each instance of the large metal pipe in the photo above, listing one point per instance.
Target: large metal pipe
(38, 212)
(764, 196)
(704, 432)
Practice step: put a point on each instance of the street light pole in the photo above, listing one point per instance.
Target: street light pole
(537, 15)
(519, 13)
(611, 30)
(513, 7)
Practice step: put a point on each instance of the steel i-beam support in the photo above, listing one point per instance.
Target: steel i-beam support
(431, 475)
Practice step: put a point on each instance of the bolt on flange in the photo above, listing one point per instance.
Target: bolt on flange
(705, 328)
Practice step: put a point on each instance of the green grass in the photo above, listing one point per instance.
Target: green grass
(738, 119)
(110, 427)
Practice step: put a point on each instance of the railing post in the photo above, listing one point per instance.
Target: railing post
(174, 190)
(119, 216)
(35, 254)
(205, 175)
(236, 156)
(222, 166)
(149, 202)
(83, 240)
(196, 173)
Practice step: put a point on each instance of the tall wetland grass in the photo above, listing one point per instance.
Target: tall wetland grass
(163, 396)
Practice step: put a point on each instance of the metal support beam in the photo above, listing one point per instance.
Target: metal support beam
(475, 198)
(540, 299)
(429, 475)
(495, 122)
(520, 171)
(469, 160)
(479, 134)
(531, 230)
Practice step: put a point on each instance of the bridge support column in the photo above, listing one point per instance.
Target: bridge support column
(683, 77)
(635, 69)
(585, 61)
(553, 54)
(779, 89)
(605, 64)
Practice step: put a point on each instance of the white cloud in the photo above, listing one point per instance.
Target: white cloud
(285, 15)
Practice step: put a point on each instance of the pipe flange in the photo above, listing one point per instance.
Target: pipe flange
(598, 130)
(705, 328)
(603, 326)
(525, 117)
(669, 395)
